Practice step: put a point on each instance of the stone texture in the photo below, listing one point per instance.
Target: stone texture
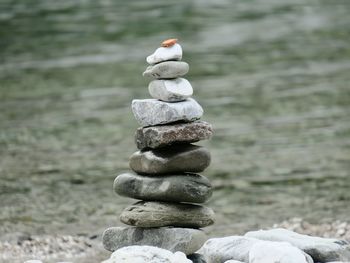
(150, 112)
(165, 53)
(172, 159)
(277, 252)
(160, 136)
(159, 214)
(170, 90)
(190, 188)
(227, 248)
(239, 248)
(167, 70)
(320, 249)
(186, 240)
(146, 254)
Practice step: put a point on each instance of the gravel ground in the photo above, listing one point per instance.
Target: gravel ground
(78, 249)
(336, 229)
(19, 247)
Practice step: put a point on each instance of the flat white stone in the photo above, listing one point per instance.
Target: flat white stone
(150, 112)
(165, 53)
(146, 254)
(167, 70)
(239, 248)
(320, 249)
(227, 248)
(171, 90)
(277, 252)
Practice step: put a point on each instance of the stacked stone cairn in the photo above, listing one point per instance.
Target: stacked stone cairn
(166, 167)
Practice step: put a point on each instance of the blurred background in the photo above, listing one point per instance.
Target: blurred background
(272, 76)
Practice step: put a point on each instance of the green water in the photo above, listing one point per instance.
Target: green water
(272, 76)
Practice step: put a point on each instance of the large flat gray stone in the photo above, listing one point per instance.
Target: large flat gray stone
(186, 240)
(172, 159)
(320, 249)
(167, 70)
(190, 188)
(163, 135)
(150, 112)
(158, 214)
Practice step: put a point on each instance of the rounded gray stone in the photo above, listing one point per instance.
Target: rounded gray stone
(186, 240)
(190, 188)
(167, 70)
(158, 214)
(160, 136)
(178, 158)
(170, 90)
(150, 112)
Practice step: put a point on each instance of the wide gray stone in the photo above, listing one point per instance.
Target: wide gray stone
(320, 249)
(170, 90)
(190, 188)
(163, 135)
(158, 214)
(146, 254)
(167, 70)
(150, 112)
(172, 159)
(186, 240)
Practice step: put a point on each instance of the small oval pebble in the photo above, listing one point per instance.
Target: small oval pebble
(167, 70)
(169, 42)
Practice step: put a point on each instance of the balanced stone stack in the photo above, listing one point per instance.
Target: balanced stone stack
(166, 167)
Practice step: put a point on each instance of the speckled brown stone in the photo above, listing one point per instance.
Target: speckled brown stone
(159, 214)
(160, 136)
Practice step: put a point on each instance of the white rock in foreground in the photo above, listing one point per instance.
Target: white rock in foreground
(244, 249)
(170, 90)
(165, 53)
(227, 248)
(320, 249)
(146, 254)
(277, 252)
(150, 112)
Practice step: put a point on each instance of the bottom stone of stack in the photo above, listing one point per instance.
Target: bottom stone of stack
(159, 214)
(186, 240)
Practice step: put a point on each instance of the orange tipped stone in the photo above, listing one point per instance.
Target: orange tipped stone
(169, 42)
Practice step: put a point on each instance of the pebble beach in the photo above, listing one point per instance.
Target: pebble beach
(271, 77)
